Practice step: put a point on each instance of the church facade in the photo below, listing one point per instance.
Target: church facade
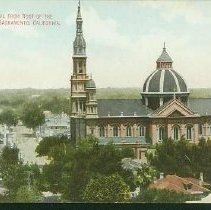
(163, 111)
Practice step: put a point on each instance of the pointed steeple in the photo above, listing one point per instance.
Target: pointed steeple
(79, 10)
(164, 61)
(79, 44)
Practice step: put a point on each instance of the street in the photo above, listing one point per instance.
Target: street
(27, 143)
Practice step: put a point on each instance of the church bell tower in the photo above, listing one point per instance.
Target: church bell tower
(79, 76)
(83, 89)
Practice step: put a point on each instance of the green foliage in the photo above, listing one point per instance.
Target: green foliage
(32, 115)
(26, 195)
(145, 176)
(120, 93)
(15, 176)
(48, 145)
(200, 93)
(71, 168)
(56, 104)
(57, 100)
(89, 161)
(162, 196)
(182, 158)
(106, 189)
(8, 117)
(9, 156)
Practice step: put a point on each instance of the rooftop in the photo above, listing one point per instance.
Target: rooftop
(179, 184)
(135, 108)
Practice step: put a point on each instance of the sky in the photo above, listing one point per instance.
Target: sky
(124, 40)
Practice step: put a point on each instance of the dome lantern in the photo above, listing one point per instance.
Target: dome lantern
(164, 61)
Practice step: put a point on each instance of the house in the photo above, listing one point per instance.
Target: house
(7, 136)
(55, 125)
(180, 184)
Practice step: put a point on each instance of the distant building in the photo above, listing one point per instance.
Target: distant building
(164, 110)
(55, 125)
(7, 137)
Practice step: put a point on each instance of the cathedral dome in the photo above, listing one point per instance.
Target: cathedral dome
(165, 81)
(90, 84)
(164, 84)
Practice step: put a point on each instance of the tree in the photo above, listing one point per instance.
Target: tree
(8, 117)
(93, 159)
(182, 158)
(172, 157)
(15, 174)
(71, 168)
(32, 115)
(9, 156)
(55, 103)
(106, 189)
(26, 195)
(48, 144)
(145, 176)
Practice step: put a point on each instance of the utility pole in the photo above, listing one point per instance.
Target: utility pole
(29, 173)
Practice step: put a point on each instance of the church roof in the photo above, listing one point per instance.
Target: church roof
(128, 107)
(200, 105)
(134, 107)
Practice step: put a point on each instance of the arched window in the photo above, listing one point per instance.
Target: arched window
(128, 131)
(141, 131)
(76, 106)
(200, 129)
(176, 133)
(80, 67)
(102, 132)
(189, 132)
(115, 131)
(92, 131)
(209, 129)
(161, 133)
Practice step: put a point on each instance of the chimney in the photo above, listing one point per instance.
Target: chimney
(154, 180)
(201, 178)
(161, 175)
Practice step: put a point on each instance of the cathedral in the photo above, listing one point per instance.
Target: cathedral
(163, 111)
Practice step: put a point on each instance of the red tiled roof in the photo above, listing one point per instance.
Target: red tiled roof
(176, 183)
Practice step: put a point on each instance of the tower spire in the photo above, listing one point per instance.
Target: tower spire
(79, 44)
(79, 10)
(164, 46)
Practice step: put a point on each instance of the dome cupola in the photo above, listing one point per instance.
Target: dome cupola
(164, 61)
(164, 84)
(90, 84)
